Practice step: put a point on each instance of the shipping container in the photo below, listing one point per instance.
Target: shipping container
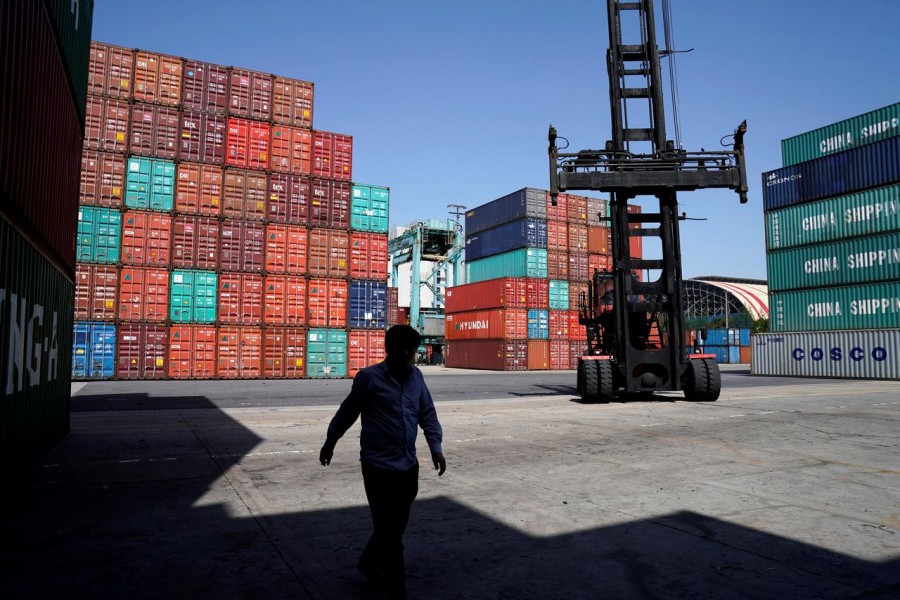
(576, 290)
(537, 293)
(367, 304)
(154, 131)
(526, 262)
(250, 94)
(597, 212)
(146, 238)
(239, 352)
(558, 294)
(142, 351)
(725, 355)
(558, 325)
(863, 129)
(102, 179)
(286, 248)
(598, 240)
(285, 300)
(332, 155)
(522, 233)
(577, 332)
(830, 219)
(157, 78)
(504, 292)
(143, 294)
(576, 209)
(198, 190)
(242, 245)
(240, 298)
(493, 355)
(110, 71)
(106, 124)
(560, 355)
(326, 353)
(576, 351)
(202, 137)
(96, 292)
(292, 102)
(364, 348)
(244, 195)
(329, 253)
(538, 324)
(204, 87)
(284, 352)
(558, 264)
(329, 204)
(538, 355)
(291, 150)
(288, 198)
(578, 266)
(193, 296)
(368, 255)
(192, 351)
(557, 235)
(327, 302)
(393, 316)
(195, 242)
(873, 165)
(93, 350)
(369, 208)
(578, 237)
(498, 323)
(635, 242)
(99, 235)
(845, 262)
(599, 262)
(150, 184)
(247, 144)
(560, 212)
(859, 354)
(525, 203)
(72, 22)
(865, 306)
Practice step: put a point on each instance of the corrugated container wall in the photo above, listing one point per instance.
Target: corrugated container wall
(525, 203)
(865, 306)
(852, 354)
(504, 292)
(496, 355)
(521, 233)
(525, 262)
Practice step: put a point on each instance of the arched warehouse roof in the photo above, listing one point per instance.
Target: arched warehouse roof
(706, 296)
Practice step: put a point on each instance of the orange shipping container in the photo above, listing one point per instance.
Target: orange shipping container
(106, 124)
(286, 248)
(247, 144)
(559, 325)
(154, 131)
(292, 102)
(195, 242)
(291, 150)
(284, 352)
(560, 355)
(577, 332)
(578, 266)
(575, 290)
(635, 242)
(599, 262)
(501, 323)
(102, 179)
(745, 355)
(558, 212)
(578, 237)
(503, 292)
(327, 301)
(557, 264)
(538, 355)
(109, 71)
(143, 294)
(157, 78)
(598, 240)
(368, 255)
(192, 351)
(244, 195)
(285, 300)
(146, 238)
(576, 209)
(329, 253)
(557, 235)
(576, 351)
(240, 298)
(198, 189)
(95, 292)
(537, 293)
(364, 348)
(239, 352)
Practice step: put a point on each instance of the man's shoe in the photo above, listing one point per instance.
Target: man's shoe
(370, 572)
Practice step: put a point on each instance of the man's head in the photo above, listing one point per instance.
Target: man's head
(401, 343)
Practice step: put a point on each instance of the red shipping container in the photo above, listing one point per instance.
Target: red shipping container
(157, 78)
(537, 293)
(365, 347)
(368, 255)
(578, 266)
(198, 189)
(205, 87)
(195, 242)
(557, 264)
(106, 124)
(244, 195)
(154, 131)
(240, 298)
(393, 308)
(95, 292)
(559, 325)
(239, 352)
(598, 240)
(599, 262)
(192, 351)
(291, 150)
(494, 355)
(557, 235)
(498, 323)
(143, 294)
(142, 351)
(202, 137)
(560, 211)
(285, 300)
(284, 352)
(146, 238)
(329, 204)
(538, 355)
(505, 292)
(576, 209)
(329, 253)
(250, 94)
(560, 355)
(576, 288)
(578, 238)
(576, 351)
(247, 144)
(332, 155)
(327, 303)
(102, 179)
(292, 102)
(110, 71)
(288, 198)
(241, 246)
(635, 242)
(286, 248)
(577, 332)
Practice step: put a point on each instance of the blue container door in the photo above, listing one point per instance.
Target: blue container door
(80, 348)
(103, 351)
(734, 355)
(368, 304)
(538, 324)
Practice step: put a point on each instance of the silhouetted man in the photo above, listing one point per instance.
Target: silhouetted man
(394, 401)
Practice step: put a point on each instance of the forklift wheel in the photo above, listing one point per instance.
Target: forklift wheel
(597, 381)
(579, 377)
(703, 382)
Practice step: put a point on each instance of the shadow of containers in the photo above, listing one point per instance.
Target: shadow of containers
(44, 50)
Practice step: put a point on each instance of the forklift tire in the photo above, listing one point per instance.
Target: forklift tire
(598, 382)
(590, 386)
(579, 377)
(703, 382)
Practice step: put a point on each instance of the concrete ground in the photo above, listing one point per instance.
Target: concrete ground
(781, 489)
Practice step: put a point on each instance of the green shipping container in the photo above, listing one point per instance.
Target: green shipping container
(150, 184)
(326, 353)
(72, 21)
(866, 306)
(865, 213)
(193, 296)
(524, 262)
(559, 294)
(99, 235)
(857, 131)
(846, 262)
(369, 207)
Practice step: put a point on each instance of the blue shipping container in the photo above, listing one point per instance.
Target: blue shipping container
(538, 324)
(99, 235)
(368, 304)
(93, 350)
(846, 172)
(150, 184)
(527, 202)
(522, 233)
(326, 353)
(369, 208)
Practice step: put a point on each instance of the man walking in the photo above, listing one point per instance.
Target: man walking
(394, 401)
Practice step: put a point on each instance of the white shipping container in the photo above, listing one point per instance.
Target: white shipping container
(856, 354)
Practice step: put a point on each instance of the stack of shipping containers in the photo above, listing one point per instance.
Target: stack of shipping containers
(219, 234)
(833, 251)
(44, 55)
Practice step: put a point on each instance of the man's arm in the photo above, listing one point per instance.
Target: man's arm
(344, 418)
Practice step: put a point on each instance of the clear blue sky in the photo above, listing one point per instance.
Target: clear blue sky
(449, 102)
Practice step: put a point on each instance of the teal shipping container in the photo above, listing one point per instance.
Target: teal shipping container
(850, 133)
(369, 208)
(855, 260)
(559, 294)
(524, 262)
(72, 21)
(326, 353)
(150, 184)
(93, 350)
(864, 213)
(193, 296)
(538, 324)
(99, 235)
(866, 306)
